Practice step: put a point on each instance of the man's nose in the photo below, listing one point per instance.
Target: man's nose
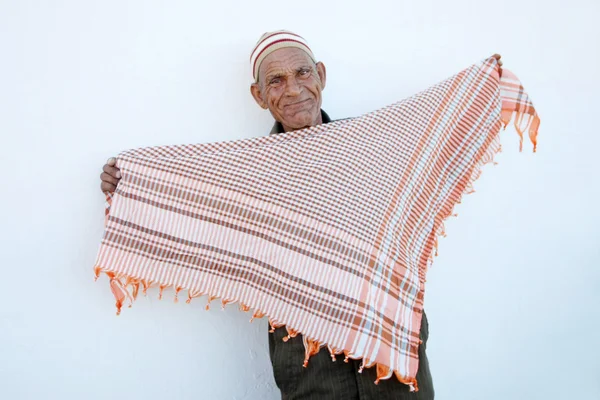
(293, 88)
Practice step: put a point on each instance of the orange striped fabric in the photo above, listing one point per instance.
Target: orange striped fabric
(327, 230)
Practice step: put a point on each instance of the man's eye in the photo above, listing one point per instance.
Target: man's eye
(275, 81)
(304, 72)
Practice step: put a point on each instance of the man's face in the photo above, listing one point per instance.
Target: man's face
(290, 86)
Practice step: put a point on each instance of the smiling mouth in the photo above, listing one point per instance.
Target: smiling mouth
(298, 103)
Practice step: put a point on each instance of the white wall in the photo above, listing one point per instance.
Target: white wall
(512, 299)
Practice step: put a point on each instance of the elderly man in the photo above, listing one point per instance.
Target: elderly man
(289, 83)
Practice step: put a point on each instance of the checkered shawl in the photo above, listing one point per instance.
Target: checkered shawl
(327, 230)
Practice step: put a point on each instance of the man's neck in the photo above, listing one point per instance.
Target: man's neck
(278, 127)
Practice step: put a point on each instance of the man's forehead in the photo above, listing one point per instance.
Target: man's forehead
(284, 60)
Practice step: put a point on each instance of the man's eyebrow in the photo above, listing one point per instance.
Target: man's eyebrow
(281, 74)
(274, 75)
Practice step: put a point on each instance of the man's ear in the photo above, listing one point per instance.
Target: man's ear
(257, 94)
(322, 73)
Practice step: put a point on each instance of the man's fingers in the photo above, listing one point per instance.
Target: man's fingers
(107, 187)
(497, 57)
(112, 171)
(108, 178)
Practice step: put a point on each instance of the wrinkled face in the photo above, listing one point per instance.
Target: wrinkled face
(290, 86)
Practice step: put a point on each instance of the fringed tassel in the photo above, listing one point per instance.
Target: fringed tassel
(517, 125)
(531, 125)
(97, 271)
(224, 302)
(291, 334)
(333, 352)
(145, 286)
(192, 294)
(257, 314)
(383, 372)
(177, 290)
(347, 356)
(533, 131)
(119, 291)
(135, 285)
(161, 289)
(412, 383)
(311, 347)
(274, 325)
(208, 301)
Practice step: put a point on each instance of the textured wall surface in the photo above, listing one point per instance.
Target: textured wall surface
(512, 299)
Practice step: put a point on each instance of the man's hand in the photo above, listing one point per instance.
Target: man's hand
(110, 177)
(497, 57)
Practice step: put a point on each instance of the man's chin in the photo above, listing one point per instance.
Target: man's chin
(300, 121)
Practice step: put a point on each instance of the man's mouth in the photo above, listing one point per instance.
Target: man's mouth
(298, 103)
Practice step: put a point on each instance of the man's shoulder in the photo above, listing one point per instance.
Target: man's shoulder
(327, 119)
(342, 119)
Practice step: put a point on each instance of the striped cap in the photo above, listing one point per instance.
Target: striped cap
(271, 41)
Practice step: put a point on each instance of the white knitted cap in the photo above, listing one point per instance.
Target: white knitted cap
(271, 41)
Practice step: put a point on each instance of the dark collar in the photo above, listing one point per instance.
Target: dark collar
(278, 128)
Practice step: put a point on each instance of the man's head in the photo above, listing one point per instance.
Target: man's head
(288, 81)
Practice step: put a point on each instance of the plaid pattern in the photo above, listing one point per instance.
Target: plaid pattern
(327, 230)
